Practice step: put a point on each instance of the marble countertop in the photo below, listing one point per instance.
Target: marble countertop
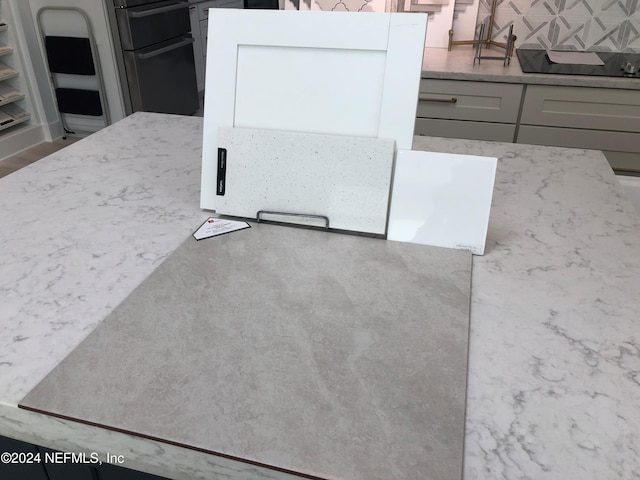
(457, 64)
(554, 347)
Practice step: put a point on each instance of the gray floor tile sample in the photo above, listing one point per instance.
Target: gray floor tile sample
(331, 355)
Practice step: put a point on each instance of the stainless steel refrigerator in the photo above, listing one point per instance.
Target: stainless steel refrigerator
(155, 55)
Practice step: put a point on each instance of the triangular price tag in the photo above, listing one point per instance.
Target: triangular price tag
(212, 227)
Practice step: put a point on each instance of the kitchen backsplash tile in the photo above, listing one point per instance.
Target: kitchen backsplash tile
(442, 14)
(598, 25)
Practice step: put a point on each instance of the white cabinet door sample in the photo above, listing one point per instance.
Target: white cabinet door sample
(335, 73)
(344, 178)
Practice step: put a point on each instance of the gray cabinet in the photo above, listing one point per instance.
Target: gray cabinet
(113, 472)
(199, 14)
(582, 107)
(66, 471)
(564, 116)
(579, 117)
(467, 109)
(21, 470)
(33, 465)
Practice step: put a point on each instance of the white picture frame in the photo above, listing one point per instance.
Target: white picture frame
(335, 73)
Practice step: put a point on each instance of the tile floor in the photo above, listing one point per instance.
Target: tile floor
(33, 154)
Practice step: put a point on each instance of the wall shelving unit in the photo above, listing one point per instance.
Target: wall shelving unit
(23, 120)
(12, 99)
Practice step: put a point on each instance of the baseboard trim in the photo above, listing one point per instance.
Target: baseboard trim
(20, 139)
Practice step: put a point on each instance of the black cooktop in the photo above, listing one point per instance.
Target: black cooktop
(536, 61)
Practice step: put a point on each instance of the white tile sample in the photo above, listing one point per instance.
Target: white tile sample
(283, 70)
(344, 178)
(442, 199)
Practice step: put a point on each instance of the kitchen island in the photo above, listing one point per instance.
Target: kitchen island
(554, 353)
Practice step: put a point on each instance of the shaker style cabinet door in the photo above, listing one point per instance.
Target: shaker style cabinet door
(465, 100)
(603, 119)
(582, 107)
(332, 73)
(466, 109)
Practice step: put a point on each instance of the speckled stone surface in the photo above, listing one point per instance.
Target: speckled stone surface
(457, 64)
(331, 355)
(344, 178)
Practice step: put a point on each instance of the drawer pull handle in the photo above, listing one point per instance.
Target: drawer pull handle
(439, 100)
(157, 11)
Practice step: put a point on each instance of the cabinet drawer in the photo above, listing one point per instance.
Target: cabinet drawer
(230, 4)
(203, 8)
(580, 107)
(461, 100)
(496, 132)
(576, 138)
(622, 149)
(623, 161)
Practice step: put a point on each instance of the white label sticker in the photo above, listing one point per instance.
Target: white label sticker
(213, 227)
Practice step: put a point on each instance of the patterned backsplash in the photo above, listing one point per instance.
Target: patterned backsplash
(596, 25)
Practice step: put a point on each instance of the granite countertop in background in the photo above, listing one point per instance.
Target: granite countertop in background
(554, 351)
(457, 64)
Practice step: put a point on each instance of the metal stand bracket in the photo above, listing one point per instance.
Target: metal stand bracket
(267, 212)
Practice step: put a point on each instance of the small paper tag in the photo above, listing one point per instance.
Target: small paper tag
(213, 227)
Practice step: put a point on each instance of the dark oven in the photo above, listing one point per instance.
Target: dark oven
(156, 55)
